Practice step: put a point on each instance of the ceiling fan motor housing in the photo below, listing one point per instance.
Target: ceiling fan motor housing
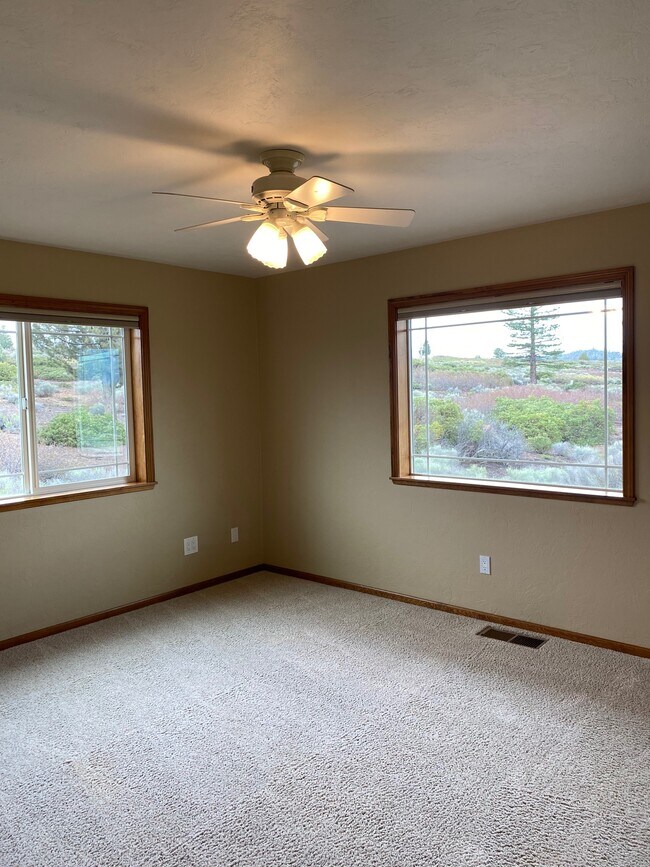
(282, 163)
(274, 187)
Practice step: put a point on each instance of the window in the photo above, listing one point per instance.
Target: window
(75, 415)
(524, 388)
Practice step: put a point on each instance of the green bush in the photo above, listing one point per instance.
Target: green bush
(45, 368)
(533, 416)
(444, 418)
(580, 423)
(7, 371)
(447, 415)
(585, 380)
(541, 444)
(585, 424)
(81, 428)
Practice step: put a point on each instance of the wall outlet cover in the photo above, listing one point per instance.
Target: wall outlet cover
(191, 545)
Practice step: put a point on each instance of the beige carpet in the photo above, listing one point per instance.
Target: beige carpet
(272, 722)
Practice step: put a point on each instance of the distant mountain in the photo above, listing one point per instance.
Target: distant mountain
(591, 354)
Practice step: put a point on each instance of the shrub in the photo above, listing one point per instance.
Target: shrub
(444, 417)
(8, 393)
(45, 389)
(487, 439)
(469, 434)
(576, 454)
(585, 423)
(87, 386)
(615, 452)
(533, 416)
(582, 423)
(585, 380)
(7, 371)
(420, 438)
(447, 415)
(541, 444)
(581, 477)
(81, 428)
(45, 368)
(9, 423)
(456, 373)
(467, 380)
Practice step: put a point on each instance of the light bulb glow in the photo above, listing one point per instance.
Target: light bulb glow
(269, 245)
(309, 245)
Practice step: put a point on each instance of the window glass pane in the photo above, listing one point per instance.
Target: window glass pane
(527, 395)
(80, 403)
(11, 455)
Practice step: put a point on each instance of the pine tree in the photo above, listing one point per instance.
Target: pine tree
(533, 336)
(81, 354)
(425, 350)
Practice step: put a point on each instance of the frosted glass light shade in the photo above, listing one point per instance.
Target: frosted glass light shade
(309, 245)
(269, 246)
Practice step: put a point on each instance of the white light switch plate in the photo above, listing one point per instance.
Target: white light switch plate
(234, 534)
(485, 564)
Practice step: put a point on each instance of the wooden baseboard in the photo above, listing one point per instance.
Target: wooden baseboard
(123, 609)
(621, 647)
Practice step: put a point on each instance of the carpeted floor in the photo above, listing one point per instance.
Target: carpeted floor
(271, 721)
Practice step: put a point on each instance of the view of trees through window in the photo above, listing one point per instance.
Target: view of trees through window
(71, 381)
(522, 395)
(11, 452)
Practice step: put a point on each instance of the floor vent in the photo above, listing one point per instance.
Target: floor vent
(512, 637)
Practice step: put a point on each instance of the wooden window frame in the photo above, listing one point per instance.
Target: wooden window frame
(142, 458)
(400, 423)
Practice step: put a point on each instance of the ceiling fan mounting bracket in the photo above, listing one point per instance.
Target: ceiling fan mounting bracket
(282, 159)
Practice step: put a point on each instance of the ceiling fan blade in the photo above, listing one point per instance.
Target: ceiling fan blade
(215, 223)
(211, 199)
(371, 216)
(315, 191)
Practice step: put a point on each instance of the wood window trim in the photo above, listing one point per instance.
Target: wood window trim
(399, 383)
(143, 456)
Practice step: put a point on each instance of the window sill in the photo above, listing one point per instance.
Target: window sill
(71, 496)
(578, 495)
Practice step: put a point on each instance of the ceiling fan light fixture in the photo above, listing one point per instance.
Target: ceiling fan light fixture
(290, 205)
(309, 246)
(269, 245)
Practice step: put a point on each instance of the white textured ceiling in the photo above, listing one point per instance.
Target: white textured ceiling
(480, 114)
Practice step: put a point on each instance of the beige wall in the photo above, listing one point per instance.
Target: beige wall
(329, 506)
(64, 561)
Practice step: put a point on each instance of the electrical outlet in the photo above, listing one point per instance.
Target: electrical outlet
(484, 564)
(234, 534)
(191, 545)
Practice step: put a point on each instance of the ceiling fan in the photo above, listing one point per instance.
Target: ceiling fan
(286, 205)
